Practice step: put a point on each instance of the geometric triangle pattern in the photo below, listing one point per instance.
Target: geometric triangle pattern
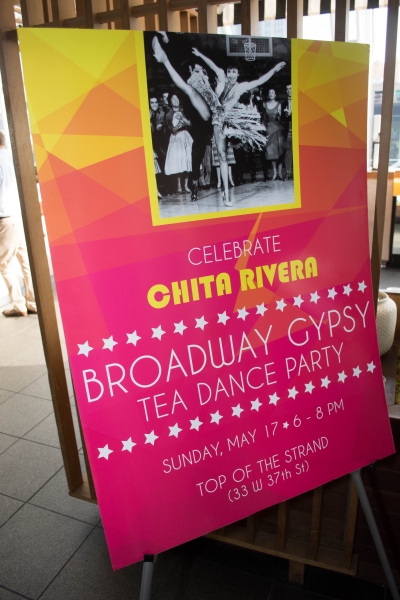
(330, 88)
(85, 116)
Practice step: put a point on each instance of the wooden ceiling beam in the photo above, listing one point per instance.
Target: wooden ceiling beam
(75, 22)
(109, 16)
(144, 10)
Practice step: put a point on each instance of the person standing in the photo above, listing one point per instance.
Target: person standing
(12, 242)
(179, 155)
(287, 123)
(158, 130)
(275, 148)
(205, 167)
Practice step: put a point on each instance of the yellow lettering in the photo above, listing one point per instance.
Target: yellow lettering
(180, 290)
(223, 283)
(158, 289)
(195, 289)
(311, 267)
(206, 282)
(247, 280)
(270, 270)
(283, 272)
(296, 270)
(259, 277)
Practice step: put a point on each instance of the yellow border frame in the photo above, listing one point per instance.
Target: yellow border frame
(148, 149)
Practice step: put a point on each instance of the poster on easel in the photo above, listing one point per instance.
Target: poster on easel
(206, 210)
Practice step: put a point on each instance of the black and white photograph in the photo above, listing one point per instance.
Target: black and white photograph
(220, 112)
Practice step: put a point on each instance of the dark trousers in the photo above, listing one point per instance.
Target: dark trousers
(245, 163)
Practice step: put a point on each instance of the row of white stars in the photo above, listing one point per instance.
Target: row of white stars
(242, 313)
(150, 438)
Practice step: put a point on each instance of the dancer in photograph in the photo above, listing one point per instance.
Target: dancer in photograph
(201, 132)
(179, 154)
(275, 147)
(229, 119)
(202, 120)
(232, 119)
(230, 159)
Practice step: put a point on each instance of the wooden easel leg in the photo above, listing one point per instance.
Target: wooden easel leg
(296, 572)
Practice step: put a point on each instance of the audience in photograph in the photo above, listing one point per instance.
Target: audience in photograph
(287, 124)
(179, 154)
(275, 147)
(158, 130)
(206, 166)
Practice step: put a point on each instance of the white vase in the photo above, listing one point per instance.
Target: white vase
(386, 316)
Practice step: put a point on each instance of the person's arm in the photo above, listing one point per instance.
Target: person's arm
(249, 85)
(220, 73)
(185, 121)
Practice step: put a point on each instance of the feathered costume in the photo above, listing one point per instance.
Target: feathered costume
(234, 119)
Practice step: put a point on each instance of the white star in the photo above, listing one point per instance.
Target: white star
(347, 289)
(285, 425)
(133, 338)
(157, 332)
(84, 348)
(201, 323)
(332, 293)
(195, 424)
(342, 376)
(104, 452)
(274, 399)
(357, 372)
(255, 404)
(309, 387)
(109, 344)
(293, 393)
(371, 367)
(223, 318)
(325, 382)
(179, 327)
(128, 445)
(175, 430)
(242, 313)
(280, 305)
(361, 286)
(297, 301)
(314, 297)
(261, 309)
(151, 438)
(236, 411)
(216, 417)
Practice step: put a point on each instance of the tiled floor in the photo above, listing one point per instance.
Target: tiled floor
(52, 546)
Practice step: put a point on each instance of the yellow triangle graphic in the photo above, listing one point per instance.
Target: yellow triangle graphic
(80, 151)
(91, 49)
(340, 116)
(59, 80)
